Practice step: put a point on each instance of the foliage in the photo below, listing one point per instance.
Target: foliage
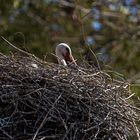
(109, 27)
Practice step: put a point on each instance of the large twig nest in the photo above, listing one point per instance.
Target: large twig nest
(47, 101)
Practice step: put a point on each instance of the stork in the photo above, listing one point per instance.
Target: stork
(64, 55)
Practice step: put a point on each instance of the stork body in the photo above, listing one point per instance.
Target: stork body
(64, 55)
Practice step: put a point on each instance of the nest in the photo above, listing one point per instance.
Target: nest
(43, 101)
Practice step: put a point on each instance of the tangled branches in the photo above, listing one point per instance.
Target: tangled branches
(47, 101)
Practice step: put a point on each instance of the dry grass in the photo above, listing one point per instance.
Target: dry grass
(54, 102)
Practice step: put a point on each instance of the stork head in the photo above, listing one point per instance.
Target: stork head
(64, 55)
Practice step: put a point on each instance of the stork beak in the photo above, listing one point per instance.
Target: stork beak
(70, 60)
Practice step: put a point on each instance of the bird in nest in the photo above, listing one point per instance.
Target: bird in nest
(64, 55)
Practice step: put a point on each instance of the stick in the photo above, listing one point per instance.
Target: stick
(16, 48)
(24, 52)
(45, 118)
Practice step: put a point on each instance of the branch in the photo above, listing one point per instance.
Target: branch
(16, 48)
(24, 52)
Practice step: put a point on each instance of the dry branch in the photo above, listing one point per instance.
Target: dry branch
(54, 102)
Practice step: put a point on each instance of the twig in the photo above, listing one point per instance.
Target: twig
(16, 48)
(24, 52)
(45, 118)
(136, 129)
(4, 132)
